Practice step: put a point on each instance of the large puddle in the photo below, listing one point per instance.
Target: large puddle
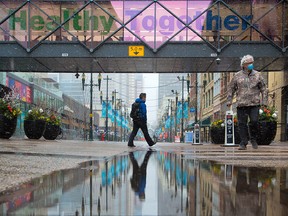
(152, 183)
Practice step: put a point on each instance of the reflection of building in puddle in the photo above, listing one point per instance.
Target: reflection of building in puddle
(42, 193)
(172, 184)
(70, 191)
(206, 187)
(250, 191)
(214, 189)
(112, 188)
(181, 186)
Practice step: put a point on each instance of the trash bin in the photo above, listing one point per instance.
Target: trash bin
(189, 137)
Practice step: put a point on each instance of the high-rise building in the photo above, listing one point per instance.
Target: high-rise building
(139, 84)
(127, 86)
(70, 85)
(168, 82)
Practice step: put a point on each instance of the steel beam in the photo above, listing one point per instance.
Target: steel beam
(182, 57)
(120, 50)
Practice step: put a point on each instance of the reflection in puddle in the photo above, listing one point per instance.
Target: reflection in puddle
(152, 183)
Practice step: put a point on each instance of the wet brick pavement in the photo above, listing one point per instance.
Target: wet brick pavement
(22, 160)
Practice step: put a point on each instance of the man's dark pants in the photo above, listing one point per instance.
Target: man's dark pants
(242, 114)
(143, 126)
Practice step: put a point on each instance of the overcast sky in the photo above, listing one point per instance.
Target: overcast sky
(150, 86)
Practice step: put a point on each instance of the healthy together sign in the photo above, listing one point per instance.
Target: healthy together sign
(167, 23)
(142, 23)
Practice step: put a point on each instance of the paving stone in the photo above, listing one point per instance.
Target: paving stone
(23, 160)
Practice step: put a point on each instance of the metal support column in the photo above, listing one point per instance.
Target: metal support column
(196, 106)
(91, 98)
(171, 121)
(91, 107)
(107, 100)
(121, 137)
(115, 108)
(175, 114)
(182, 112)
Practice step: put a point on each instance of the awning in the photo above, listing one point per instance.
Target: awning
(190, 125)
(203, 123)
(206, 122)
(65, 108)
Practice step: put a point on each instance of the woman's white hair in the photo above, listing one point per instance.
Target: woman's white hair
(246, 58)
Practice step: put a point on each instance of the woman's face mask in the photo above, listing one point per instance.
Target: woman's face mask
(250, 67)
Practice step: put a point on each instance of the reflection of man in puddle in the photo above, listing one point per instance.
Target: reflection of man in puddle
(138, 180)
(253, 198)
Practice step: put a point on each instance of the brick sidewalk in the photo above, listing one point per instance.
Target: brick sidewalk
(22, 160)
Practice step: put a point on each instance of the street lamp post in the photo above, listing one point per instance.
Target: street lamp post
(128, 123)
(182, 101)
(171, 102)
(169, 114)
(196, 95)
(114, 96)
(176, 104)
(182, 111)
(91, 98)
(125, 116)
(163, 125)
(91, 108)
(120, 108)
(106, 120)
(196, 106)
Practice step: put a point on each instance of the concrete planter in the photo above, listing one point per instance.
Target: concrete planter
(218, 135)
(51, 132)
(34, 129)
(266, 132)
(7, 127)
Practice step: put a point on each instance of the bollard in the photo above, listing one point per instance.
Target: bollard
(229, 130)
(196, 135)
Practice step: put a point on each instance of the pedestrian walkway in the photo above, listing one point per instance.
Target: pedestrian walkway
(22, 160)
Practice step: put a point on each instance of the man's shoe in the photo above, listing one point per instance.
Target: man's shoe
(242, 147)
(254, 144)
(131, 146)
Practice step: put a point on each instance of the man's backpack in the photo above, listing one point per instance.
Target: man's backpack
(135, 111)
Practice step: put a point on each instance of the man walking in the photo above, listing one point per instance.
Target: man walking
(139, 116)
(247, 84)
(138, 180)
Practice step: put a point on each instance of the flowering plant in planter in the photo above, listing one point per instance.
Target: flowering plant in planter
(9, 111)
(9, 107)
(267, 114)
(218, 123)
(267, 125)
(221, 123)
(52, 127)
(235, 120)
(36, 114)
(218, 131)
(53, 120)
(35, 123)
